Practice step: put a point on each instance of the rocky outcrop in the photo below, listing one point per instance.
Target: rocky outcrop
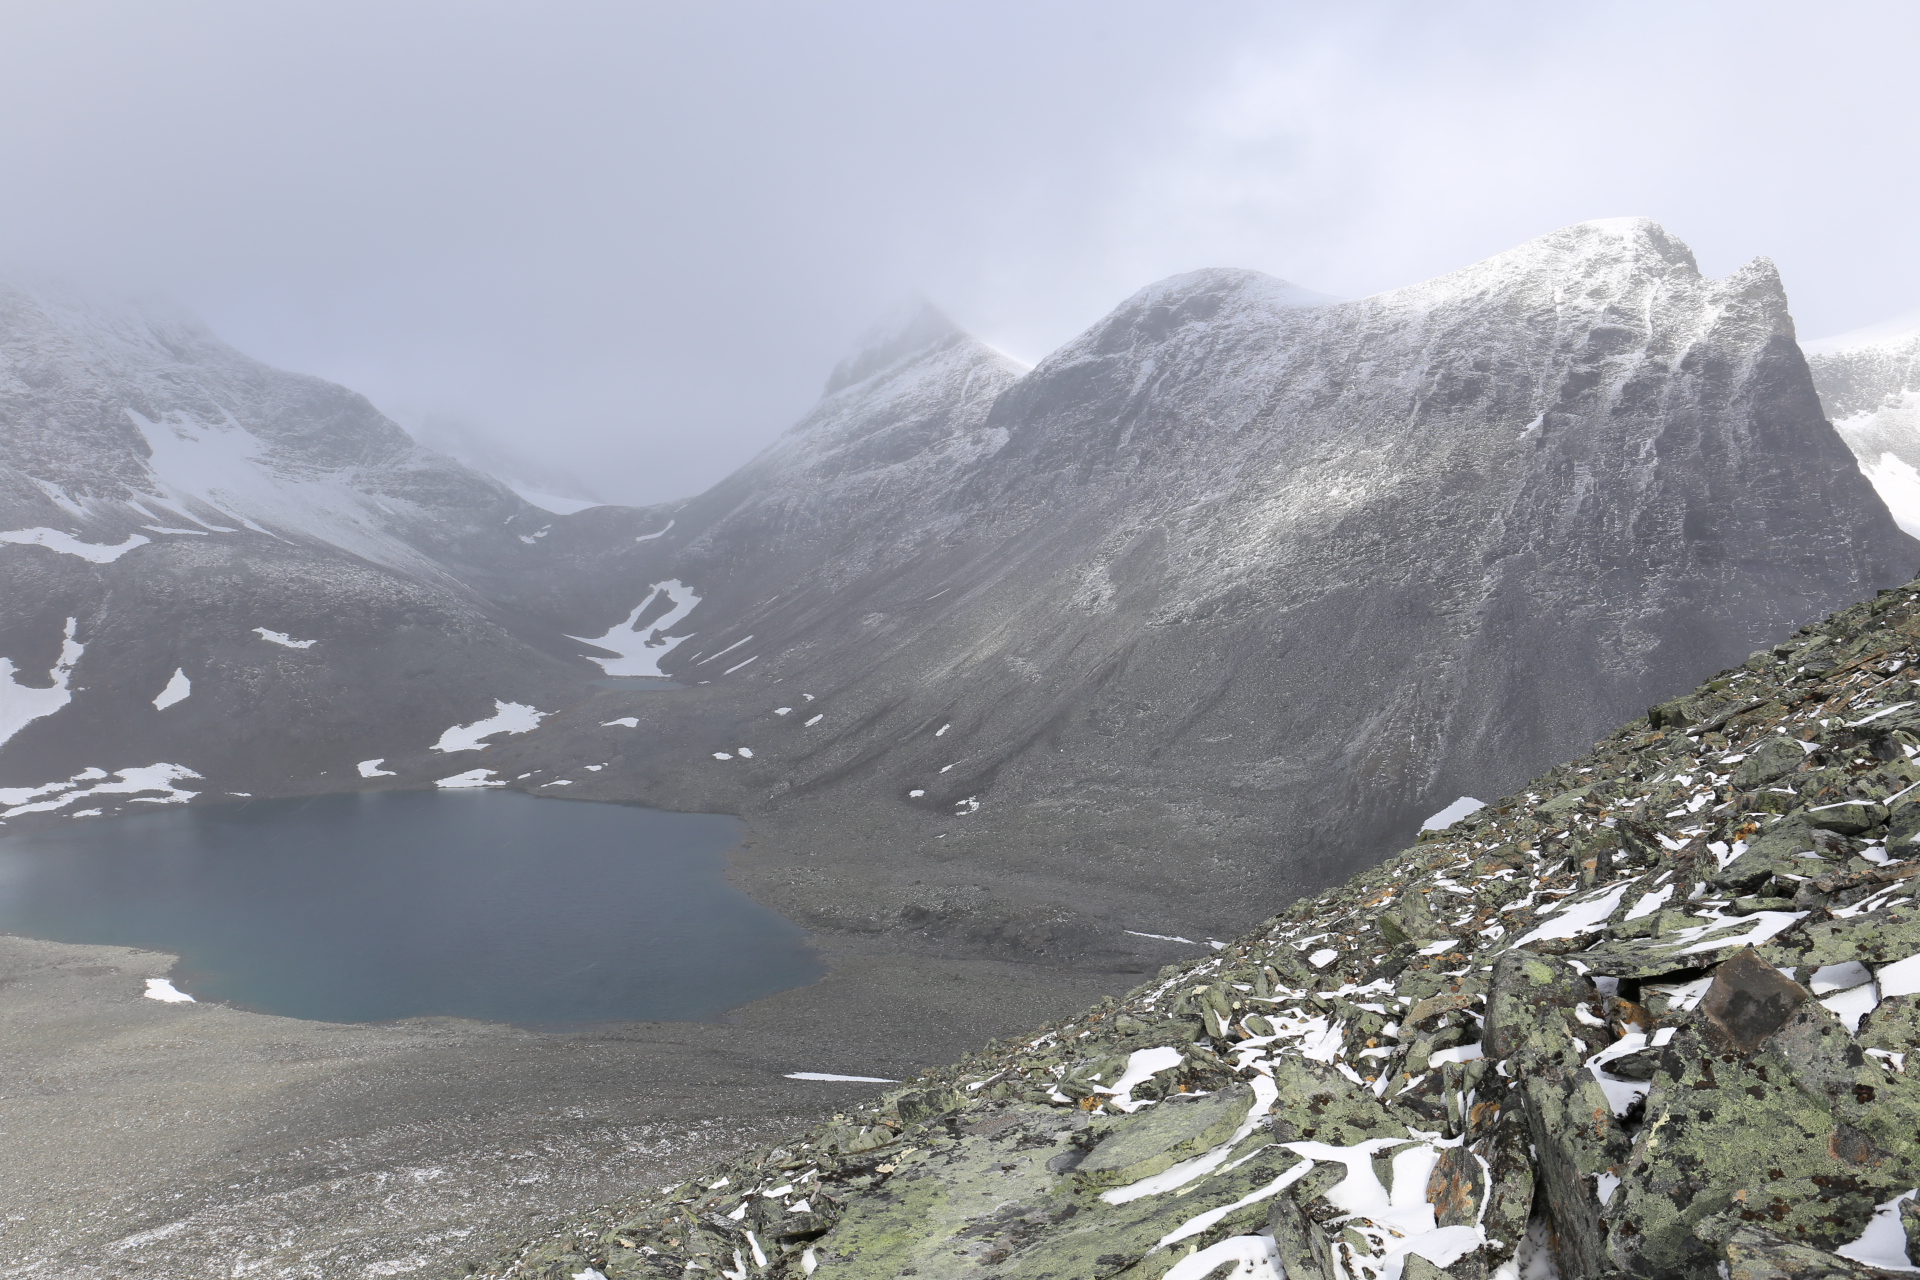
(1655, 1015)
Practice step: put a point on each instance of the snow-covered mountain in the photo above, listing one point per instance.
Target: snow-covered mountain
(1212, 605)
(1869, 381)
(1227, 594)
(222, 577)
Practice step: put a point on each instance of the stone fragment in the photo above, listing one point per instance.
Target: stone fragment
(1849, 817)
(1305, 1251)
(1418, 1268)
(1456, 1188)
(1774, 758)
(1779, 850)
(1531, 1013)
(1408, 920)
(1533, 1022)
(1565, 802)
(1318, 1104)
(1726, 1131)
(1755, 1253)
(1903, 824)
(1873, 937)
(1508, 1152)
(1876, 1111)
(1748, 1001)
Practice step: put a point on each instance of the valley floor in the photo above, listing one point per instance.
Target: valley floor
(192, 1140)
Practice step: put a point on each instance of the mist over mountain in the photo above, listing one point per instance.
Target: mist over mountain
(1023, 677)
(236, 579)
(1227, 594)
(1869, 382)
(1222, 597)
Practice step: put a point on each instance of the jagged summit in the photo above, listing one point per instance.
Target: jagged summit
(1226, 565)
(1609, 263)
(915, 327)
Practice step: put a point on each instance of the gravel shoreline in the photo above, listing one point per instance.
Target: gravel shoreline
(186, 1140)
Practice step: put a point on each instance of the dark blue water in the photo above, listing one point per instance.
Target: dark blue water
(363, 908)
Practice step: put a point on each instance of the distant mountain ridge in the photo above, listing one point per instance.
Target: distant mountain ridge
(169, 506)
(1209, 607)
(1238, 560)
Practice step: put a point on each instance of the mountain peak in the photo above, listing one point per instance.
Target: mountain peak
(913, 327)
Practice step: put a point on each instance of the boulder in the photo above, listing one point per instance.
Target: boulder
(1141, 1145)
(1774, 758)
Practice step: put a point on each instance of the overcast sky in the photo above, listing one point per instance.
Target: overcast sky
(633, 238)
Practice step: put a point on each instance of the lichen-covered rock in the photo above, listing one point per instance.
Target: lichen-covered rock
(1133, 1149)
(1643, 1017)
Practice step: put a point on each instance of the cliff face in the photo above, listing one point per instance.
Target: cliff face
(1234, 589)
(1656, 1015)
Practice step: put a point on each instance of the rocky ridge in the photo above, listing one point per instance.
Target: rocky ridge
(1655, 1015)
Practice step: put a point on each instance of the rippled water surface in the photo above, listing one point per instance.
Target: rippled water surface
(362, 908)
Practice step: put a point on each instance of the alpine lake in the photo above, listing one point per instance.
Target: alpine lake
(378, 906)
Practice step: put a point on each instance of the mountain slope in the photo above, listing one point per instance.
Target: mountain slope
(233, 578)
(1657, 1015)
(1225, 595)
(1870, 384)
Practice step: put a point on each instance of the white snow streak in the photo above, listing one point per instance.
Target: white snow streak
(282, 638)
(68, 545)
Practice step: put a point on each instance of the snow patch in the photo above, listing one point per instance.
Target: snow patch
(178, 690)
(1898, 485)
(1884, 1243)
(624, 722)
(1452, 813)
(552, 501)
(372, 769)
(471, 778)
(282, 638)
(1579, 917)
(639, 652)
(68, 545)
(828, 1075)
(21, 705)
(507, 717)
(162, 989)
(1901, 978)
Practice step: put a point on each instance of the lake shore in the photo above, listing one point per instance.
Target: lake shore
(186, 1140)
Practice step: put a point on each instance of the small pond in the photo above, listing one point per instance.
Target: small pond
(363, 908)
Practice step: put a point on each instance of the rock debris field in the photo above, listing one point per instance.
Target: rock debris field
(1653, 1016)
